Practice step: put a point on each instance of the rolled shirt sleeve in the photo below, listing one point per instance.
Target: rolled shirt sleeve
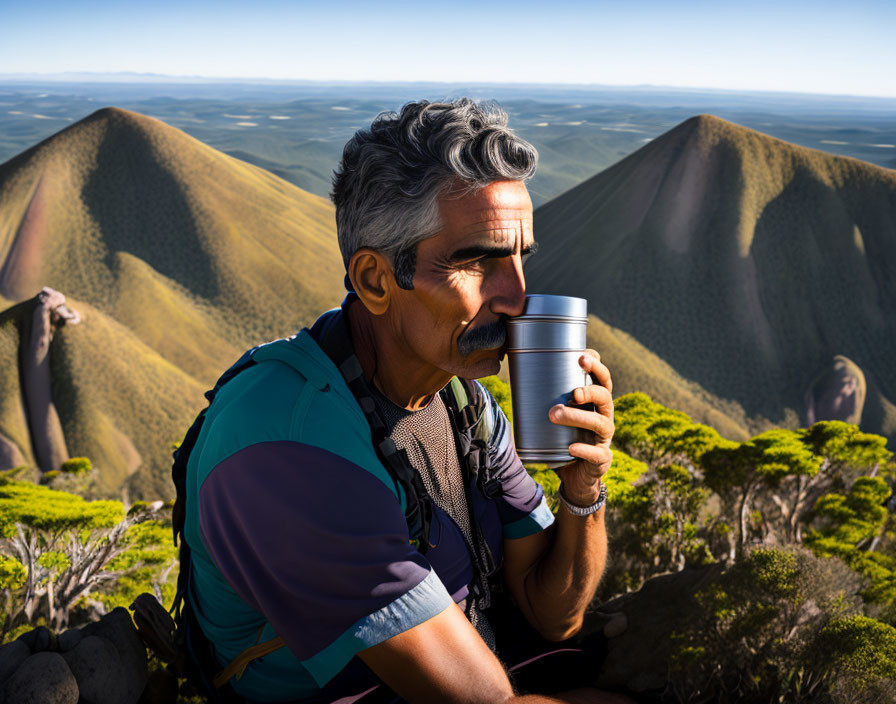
(320, 547)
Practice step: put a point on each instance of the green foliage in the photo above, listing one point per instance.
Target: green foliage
(56, 549)
(861, 656)
(860, 645)
(12, 573)
(846, 524)
(549, 482)
(761, 625)
(648, 431)
(148, 565)
(844, 444)
(623, 472)
(656, 526)
(621, 477)
(77, 466)
(500, 390)
(44, 509)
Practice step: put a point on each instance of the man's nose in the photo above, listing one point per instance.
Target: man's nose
(510, 288)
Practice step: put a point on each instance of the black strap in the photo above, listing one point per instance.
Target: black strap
(472, 451)
(332, 335)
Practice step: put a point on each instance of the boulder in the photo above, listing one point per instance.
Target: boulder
(118, 628)
(837, 393)
(43, 678)
(11, 656)
(97, 668)
(69, 639)
(39, 639)
(639, 648)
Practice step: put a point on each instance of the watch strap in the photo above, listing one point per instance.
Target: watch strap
(585, 510)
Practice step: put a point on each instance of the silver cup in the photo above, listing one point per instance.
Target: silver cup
(544, 346)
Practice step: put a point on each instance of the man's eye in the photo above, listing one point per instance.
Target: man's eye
(477, 264)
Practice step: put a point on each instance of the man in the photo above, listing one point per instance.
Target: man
(297, 529)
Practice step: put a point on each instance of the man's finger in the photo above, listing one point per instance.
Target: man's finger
(600, 456)
(602, 426)
(600, 396)
(590, 362)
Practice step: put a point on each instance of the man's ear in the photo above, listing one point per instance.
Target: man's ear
(371, 275)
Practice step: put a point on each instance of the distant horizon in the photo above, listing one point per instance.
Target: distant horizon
(150, 78)
(816, 47)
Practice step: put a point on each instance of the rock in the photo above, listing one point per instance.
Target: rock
(11, 656)
(638, 656)
(616, 625)
(161, 688)
(69, 639)
(39, 639)
(118, 628)
(44, 678)
(97, 668)
(837, 393)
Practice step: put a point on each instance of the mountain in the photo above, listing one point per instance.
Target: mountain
(177, 257)
(746, 263)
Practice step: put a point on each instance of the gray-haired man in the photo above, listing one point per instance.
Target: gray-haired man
(298, 531)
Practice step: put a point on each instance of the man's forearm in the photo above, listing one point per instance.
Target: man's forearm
(563, 582)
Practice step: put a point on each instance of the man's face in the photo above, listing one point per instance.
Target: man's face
(468, 281)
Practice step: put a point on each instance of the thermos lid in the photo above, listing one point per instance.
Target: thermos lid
(540, 305)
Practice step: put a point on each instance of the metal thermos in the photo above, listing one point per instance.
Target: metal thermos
(544, 346)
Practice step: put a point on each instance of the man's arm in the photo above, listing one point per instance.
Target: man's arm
(553, 574)
(445, 660)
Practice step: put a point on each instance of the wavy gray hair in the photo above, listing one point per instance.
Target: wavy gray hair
(391, 176)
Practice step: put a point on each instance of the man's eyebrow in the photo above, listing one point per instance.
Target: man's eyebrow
(478, 251)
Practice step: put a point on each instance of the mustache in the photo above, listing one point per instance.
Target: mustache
(483, 337)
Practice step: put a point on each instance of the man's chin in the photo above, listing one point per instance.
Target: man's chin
(486, 366)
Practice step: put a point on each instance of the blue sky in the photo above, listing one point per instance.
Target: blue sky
(822, 46)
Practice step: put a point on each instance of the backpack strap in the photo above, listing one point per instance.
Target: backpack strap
(332, 335)
(189, 638)
(473, 423)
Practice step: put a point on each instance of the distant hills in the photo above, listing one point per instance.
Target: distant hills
(745, 262)
(176, 256)
(724, 271)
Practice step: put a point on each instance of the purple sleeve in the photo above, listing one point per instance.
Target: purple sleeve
(521, 506)
(309, 539)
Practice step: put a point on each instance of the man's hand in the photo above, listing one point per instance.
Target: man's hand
(581, 478)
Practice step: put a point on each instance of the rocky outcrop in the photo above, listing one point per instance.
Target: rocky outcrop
(837, 393)
(48, 442)
(103, 663)
(10, 454)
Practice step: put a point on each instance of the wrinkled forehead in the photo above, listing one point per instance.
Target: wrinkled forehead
(501, 213)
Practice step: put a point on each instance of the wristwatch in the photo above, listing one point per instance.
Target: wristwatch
(585, 510)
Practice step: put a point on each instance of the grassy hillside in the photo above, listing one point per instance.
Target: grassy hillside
(178, 257)
(743, 261)
(635, 368)
(118, 186)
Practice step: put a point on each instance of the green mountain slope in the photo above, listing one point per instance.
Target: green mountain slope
(178, 257)
(743, 261)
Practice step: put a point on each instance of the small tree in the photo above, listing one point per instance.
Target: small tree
(737, 473)
(657, 435)
(64, 545)
(656, 526)
(845, 526)
(860, 654)
(757, 637)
